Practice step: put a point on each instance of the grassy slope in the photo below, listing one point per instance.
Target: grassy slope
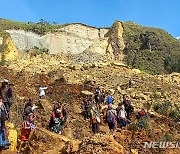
(138, 53)
(40, 28)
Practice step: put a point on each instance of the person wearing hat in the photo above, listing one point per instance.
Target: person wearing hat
(6, 94)
(122, 116)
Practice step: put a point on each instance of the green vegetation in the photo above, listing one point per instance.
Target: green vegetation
(172, 62)
(38, 51)
(175, 114)
(142, 123)
(165, 108)
(41, 28)
(162, 108)
(2, 61)
(152, 50)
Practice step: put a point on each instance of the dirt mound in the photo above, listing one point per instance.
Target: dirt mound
(43, 141)
(101, 144)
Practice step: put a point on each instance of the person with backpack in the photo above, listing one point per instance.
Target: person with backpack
(122, 117)
(95, 119)
(109, 100)
(111, 115)
(6, 94)
(58, 118)
(4, 142)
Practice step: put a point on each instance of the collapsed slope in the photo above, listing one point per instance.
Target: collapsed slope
(150, 49)
(66, 81)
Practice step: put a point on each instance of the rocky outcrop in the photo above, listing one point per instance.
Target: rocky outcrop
(116, 41)
(74, 39)
(80, 42)
(7, 49)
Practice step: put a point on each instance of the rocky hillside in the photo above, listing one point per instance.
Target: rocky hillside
(73, 58)
(65, 83)
(150, 49)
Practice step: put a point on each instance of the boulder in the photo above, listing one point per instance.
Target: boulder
(86, 93)
(134, 151)
(136, 71)
(63, 62)
(111, 91)
(119, 64)
(42, 140)
(141, 96)
(1, 40)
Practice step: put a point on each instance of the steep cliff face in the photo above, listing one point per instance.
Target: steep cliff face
(116, 41)
(83, 43)
(73, 39)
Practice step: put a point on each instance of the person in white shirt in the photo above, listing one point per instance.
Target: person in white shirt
(42, 91)
(122, 116)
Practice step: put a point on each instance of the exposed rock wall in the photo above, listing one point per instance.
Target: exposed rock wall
(72, 39)
(83, 43)
(116, 41)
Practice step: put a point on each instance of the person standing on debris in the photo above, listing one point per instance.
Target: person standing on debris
(122, 116)
(42, 91)
(6, 94)
(29, 107)
(111, 115)
(4, 142)
(103, 96)
(27, 127)
(58, 118)
(97, 98)
(97, 90)
(128, 107)
(85, 107)
(95, 119)
(141, 113)
(109, 100)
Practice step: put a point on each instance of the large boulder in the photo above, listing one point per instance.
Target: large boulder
(136, 71)
(86, 93)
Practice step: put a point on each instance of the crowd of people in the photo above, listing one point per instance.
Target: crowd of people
(114, 117)
(120, 116)
(57, 119)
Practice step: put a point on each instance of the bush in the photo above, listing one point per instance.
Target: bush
(175, 115)
(172, 63)
(142, 123)
(162, 108)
